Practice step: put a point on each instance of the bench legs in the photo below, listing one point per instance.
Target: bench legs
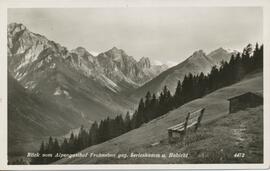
(199, 119)
(170, 136)
(196, 126)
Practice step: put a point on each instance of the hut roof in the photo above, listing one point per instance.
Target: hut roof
(259, 94)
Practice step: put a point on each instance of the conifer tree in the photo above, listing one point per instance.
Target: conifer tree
(140, 117)
(56, 147)
(93, 133)
(147, 107)
(72, 140)
(65, 147)
(178, 94)
(50, 146)
(154, 106)
(127, 122)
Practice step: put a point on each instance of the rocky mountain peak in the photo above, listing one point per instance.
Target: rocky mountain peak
(80, 49)
(82, 52)
(14, 28)
(144, 62)
(115, 53)
(120, 66)
(115, 48)
(198, 53)
(219, 50)
(219, 55)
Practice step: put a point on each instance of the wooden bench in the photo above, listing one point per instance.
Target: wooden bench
(192, 120)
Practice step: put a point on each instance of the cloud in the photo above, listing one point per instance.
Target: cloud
(168, 63)
(157, 62)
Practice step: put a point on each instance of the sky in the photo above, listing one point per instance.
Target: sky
(164, 34)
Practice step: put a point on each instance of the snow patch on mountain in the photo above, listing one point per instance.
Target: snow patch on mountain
(48, 59)
(66, 93)
(94, 53)
(30, 85)
(167, 63)
(53, 65)
(59, 91)
(19, 76)
(110, 84)
(156, 62)
(231, 50)
(39, 65)
(171, 63)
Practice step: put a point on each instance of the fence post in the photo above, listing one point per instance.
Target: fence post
(199, 119)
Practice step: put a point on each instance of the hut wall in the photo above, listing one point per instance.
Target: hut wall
(245, 101)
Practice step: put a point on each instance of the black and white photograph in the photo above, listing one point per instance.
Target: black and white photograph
(117, 85)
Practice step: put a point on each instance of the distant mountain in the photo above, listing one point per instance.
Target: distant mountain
(122, 68)
(67, 78)
(198, 62)
(220, 55)
(93, 86)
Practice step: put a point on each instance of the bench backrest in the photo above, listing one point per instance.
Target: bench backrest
(191, 120)
(194, 117)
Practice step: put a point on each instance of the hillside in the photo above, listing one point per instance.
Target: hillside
(217, 125)
(31, 118)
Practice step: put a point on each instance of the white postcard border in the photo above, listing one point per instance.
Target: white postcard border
(5, 4)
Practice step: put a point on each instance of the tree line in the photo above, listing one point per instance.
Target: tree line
(153, 106)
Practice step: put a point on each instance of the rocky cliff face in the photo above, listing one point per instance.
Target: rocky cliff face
(120, 67)
(69, 78)
(144, 63)
(26, 49)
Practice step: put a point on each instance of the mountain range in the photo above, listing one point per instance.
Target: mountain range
(94, 86)
(53, 90)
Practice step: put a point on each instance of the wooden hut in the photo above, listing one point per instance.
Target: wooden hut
(246, 100)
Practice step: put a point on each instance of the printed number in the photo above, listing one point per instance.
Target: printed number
(239, 155)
